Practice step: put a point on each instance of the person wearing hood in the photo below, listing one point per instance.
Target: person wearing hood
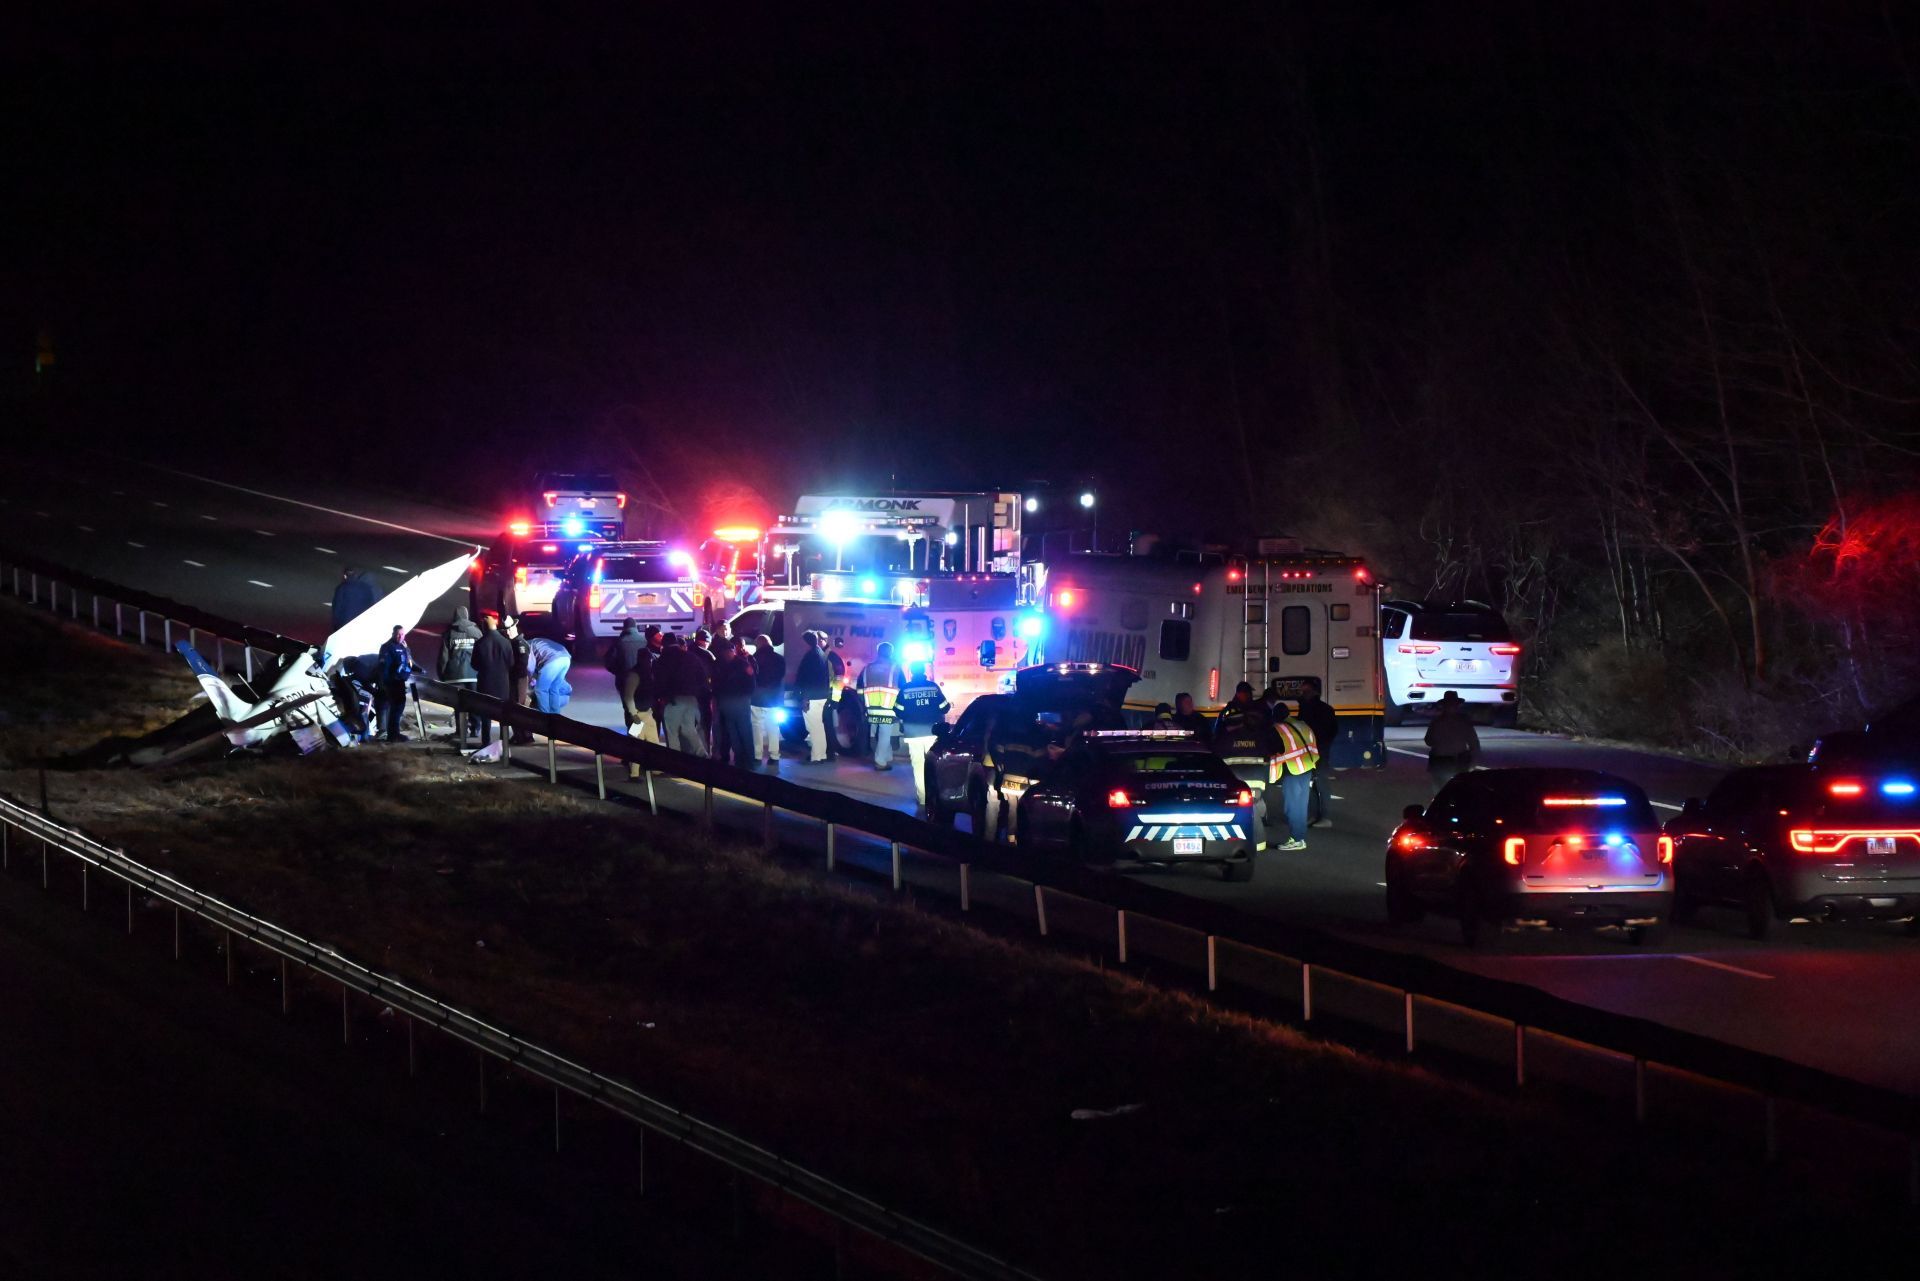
(353, 596)
(1452, 742)
(456, 664)
(623, 663)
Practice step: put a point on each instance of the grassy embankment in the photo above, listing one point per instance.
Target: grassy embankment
(925, 1062)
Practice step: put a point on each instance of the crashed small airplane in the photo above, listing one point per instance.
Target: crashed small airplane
(303, 699)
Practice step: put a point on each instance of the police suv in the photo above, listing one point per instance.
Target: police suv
(609, 583)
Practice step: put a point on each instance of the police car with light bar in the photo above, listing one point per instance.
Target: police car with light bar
(1802, 842)
(609, 583)
(1137, 797)
(519, 573)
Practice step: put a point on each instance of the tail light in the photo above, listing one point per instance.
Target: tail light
(593, 596)
(1665, 847)
(699, 597)
(1419, 649)
(520, 574)
(621, 501)
(551, 497)
(1815, 842)
(1244, 799)
(1507, 651)
(1118, 799)
(1409, 840)
(1514, 851)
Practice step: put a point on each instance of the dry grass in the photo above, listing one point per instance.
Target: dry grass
(927, 1062)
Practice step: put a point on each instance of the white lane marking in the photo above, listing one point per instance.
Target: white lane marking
(1722, 965)
(196, 564)
(156, 502)
(204, 516)
(326, 551)
(86, 529)
(44, 515)
(1663, 805)
(1337, 798)
(264, 533)
(331, 511)
(396, 569)
(257, 583)
(141, 546)
(1406, 751)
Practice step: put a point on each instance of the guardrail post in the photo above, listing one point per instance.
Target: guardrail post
(966, 887)
(1519, 1054)
(1408, 1003)
(143, 627)
(1120, 925)
(96, 611)
(895, 846)
(1213, 964)
(1040, 908)
(73, 604)
(6, 846)
(830, 833)
(219, 655)
(119, 624)
(553, 761)
(193, 637)
(33, 587)
(600, 774)
(246, 657)
(1306, 993)
(166, 634)
(653, 801)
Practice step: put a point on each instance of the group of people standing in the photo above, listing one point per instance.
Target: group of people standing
(720, 696)
(1270, 747)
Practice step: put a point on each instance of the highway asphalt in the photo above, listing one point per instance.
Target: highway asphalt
(270, 552)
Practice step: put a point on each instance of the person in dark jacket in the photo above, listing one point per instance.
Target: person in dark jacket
(456, 663)
(1452, 742)
(680, 685)
(492, 671)
(1325, 724)
(1241, 703)
(396, 674)
(353, 596)
(733, 686)
(701, 651)
(922, 708)
(812, 688)
(1187, 717)
(838, 704)
(623, 658)
(769, 701)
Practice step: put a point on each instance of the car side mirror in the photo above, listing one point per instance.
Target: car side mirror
(1413, 812)
(988, 653)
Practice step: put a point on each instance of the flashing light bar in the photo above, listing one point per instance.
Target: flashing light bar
(1137, 734)
(1847, 788)
(1896, 787)
(738, 533)
(1180, 818)
(573, 527)
(520, 528)
(1601, 802)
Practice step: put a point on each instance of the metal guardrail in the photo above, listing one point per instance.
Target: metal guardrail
(796, 1181)
(1415, 978)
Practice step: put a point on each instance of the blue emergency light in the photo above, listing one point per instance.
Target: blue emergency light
(1030, 626)
(870, 586)
(573, 527)
(1897, 787)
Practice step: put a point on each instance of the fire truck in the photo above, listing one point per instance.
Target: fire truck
(1200, 623)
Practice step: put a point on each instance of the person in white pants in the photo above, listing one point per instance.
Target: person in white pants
(921, 707)
(769, 701)
(812, 681)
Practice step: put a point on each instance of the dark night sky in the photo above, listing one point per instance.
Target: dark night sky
(961, 243)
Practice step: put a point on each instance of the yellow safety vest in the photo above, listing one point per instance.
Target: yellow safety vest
(880, 700)
(1299, 754)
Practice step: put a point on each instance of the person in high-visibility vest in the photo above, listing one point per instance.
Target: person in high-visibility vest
(879, 690)
(1293, 770)
(1248, 746)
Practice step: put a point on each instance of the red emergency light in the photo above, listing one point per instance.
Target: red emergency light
(520, 528)
(737, 534)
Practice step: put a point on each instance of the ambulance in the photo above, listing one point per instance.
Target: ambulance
(1200, 623)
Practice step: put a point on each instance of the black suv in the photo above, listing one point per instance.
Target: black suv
(1821, 842)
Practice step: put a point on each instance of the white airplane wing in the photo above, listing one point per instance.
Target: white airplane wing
(403, 607)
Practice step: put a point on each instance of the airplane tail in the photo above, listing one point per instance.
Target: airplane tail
(228, 705)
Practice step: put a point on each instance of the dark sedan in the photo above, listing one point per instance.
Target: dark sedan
(1801, 841)
(1140, 797)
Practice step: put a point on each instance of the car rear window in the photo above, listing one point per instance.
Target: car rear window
(541, 555)
(1460, 627)
(1161, 762)
(637, 569)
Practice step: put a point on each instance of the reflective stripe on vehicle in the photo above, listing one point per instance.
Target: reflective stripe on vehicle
(1226, 832)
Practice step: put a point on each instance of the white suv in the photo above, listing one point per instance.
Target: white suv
(1428, 649)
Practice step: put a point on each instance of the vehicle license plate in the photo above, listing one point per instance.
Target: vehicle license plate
(1188, 845)
(646, 598)
(1880, 845)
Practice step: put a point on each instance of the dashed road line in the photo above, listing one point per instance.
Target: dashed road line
(1665, 806)
(1406, 751)
(257, 583)
(196, 564)
(141, 546)
(204, 516)
(85, 529)
(44, 515)
(1722, 965)
(264, 533)
(331, 511)
(396, 569)
(326, 551)
(156, 502)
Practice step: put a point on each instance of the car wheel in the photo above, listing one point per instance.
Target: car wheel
(1396, 713)
(1759, 905)
(1402, 907)
(1647, 935)
(1238, 873)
